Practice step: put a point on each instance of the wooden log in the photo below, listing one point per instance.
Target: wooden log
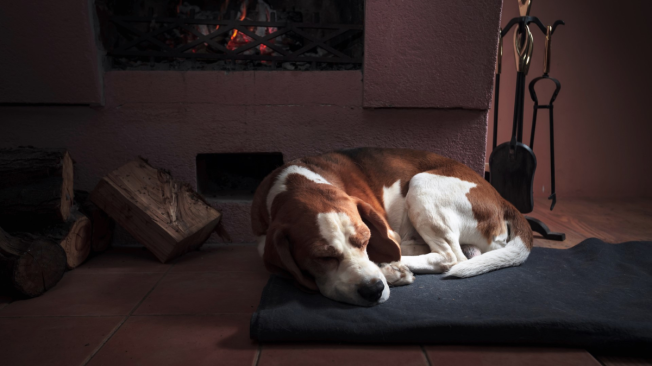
(26, 164)
(167, 217)
(30, 265)
(74, 236)
(36, 188)
(102, 225)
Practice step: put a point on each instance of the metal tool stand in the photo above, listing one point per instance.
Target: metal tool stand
(523, 45)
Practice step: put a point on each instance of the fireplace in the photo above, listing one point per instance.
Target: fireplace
(232, 34)
(211, 116)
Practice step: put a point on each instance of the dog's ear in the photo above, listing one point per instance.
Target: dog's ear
(278, 257)
(384, 244)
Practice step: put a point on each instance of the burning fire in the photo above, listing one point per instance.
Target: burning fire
(262, 13)
(240, 41)
(265, 15)
(243, 14)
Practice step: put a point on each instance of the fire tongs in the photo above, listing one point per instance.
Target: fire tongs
(513, 163)
(549, 107)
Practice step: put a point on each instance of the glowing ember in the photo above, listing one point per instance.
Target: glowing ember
(233, 42)
(262, 13)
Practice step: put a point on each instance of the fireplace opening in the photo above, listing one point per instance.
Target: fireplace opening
(234, 176)
(232, 34)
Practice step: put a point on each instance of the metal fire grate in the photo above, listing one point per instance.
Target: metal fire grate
(132, 42)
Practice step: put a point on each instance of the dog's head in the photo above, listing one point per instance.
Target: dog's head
(328, 241)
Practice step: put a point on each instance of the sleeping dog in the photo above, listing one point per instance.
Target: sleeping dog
(351, 223)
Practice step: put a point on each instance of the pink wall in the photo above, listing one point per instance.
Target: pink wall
(602, 118)
(48, 53)
(430, 53)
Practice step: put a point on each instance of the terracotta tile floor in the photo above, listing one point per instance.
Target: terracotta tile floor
(125, 308)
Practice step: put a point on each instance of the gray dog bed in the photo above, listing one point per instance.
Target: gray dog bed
(592, 295)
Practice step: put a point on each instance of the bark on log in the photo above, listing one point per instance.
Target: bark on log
(102, 226)
(168, 217)
(30, 265)
(74, 236)
(36, 188)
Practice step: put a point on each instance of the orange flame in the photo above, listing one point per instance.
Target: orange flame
(225, 5)
(243, 14)
(239, 39)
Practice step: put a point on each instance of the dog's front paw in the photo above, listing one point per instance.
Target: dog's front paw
(396, 273)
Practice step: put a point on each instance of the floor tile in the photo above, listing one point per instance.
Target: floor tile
(220, 258)
(52, 340)
(508, 356)
(205, 293)
(131, 260)
(626, 360)
(4, 301)
(79, 293)
(341, 355)
(180, 340)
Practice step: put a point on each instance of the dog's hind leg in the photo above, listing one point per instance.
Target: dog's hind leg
(438, 227)
(444, 241)
(414, 245)
(445, 250)
(439, 210)
(439, 258)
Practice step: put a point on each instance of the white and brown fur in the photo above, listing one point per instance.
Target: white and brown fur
(326, 220)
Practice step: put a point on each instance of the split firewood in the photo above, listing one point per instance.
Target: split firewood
(102, 226)
(36, 188)
(74, 236)
(31, 265)
(167, 217)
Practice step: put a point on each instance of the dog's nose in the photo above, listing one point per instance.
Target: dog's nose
(371, 291)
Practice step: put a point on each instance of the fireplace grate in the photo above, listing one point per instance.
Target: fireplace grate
(148, 38)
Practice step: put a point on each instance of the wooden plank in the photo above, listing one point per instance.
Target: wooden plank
(611, 220)
(551, 219)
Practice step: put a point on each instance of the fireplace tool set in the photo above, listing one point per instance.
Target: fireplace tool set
(513, 163)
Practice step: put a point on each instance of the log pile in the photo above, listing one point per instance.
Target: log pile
(43, 228)
(47, 227)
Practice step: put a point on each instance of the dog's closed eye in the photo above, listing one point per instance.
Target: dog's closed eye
(328, 261)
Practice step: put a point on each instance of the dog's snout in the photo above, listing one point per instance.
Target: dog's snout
(371, 291)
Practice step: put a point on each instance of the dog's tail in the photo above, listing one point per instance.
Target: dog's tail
(514, 253)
